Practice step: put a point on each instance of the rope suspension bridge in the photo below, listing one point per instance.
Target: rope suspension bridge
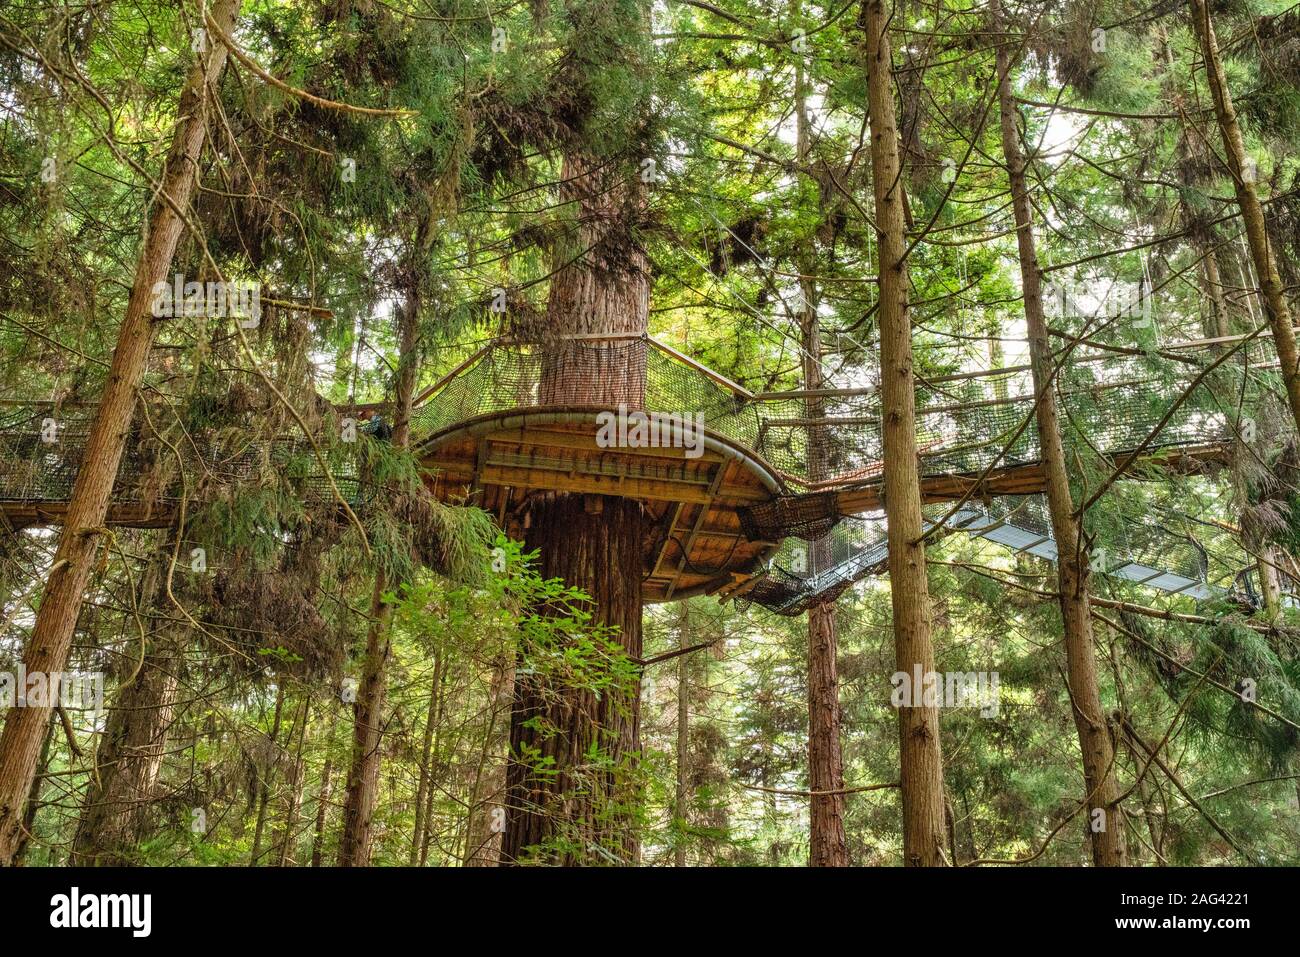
(725, 475)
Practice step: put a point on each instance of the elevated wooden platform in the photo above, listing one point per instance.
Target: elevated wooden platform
(499, 461)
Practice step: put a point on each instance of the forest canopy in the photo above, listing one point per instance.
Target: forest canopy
(624, 433)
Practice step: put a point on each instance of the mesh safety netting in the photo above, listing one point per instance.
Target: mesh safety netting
(42, 445)
(1109, 402)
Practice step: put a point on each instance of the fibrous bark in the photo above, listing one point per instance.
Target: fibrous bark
(368, 714)
(920, 754)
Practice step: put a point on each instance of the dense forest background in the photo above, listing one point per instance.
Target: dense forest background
(308, 659)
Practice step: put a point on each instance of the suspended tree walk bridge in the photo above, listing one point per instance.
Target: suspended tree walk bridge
(723, 473)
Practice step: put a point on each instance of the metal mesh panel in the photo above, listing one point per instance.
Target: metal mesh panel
(37, 470)
(803, 574)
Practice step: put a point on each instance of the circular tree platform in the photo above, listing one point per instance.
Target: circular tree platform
(503, 460)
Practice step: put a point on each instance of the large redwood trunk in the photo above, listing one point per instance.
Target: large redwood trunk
(920, 755)
(593, 542)
(1106, 822)
(79, 545)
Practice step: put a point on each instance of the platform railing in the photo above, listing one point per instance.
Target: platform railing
(965, 421)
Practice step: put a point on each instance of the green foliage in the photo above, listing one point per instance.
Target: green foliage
(460, 196)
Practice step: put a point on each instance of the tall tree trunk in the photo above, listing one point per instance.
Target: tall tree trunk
(33, 799)
(1252, 213)
(367, 727)
(1106, 828)
(74, 561)
(571, 749)
(130, 755)
(323, 796)
(485, 827)
(1219, 323)
(1149, 813)
(427, 842)
(997, 358)
(593, 542)
(1270, 587)
(288, 837)
(920, 754)
(827, 846)
(422, 791)
(367, 736)
(1201, 233)
(264, 777)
